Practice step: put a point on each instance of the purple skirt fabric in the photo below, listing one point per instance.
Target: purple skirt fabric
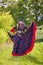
(25, 43)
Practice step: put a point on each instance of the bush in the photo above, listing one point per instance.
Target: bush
(6, 23)
(3, 36)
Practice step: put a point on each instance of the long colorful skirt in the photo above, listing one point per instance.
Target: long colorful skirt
(25, 43)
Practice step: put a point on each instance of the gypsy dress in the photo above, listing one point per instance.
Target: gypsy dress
(25, 43)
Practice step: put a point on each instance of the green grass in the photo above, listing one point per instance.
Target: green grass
(39, 35)
(35, 57)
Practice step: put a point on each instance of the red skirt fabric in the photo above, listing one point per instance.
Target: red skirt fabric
(25, 43)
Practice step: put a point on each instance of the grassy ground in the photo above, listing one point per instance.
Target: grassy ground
(39, 35)
(35, 57)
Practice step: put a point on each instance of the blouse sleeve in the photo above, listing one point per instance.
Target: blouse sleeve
(13, 29)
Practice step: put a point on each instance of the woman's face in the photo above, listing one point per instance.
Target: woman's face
(20, 22)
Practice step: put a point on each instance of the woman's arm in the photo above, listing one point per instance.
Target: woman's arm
(25, 26)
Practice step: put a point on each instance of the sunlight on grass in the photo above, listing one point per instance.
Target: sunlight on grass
(35, 57)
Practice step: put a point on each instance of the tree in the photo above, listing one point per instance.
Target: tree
(29, 10)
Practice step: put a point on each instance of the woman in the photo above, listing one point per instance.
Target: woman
(23, 41)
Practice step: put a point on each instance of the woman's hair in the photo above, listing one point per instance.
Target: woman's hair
(20, 20)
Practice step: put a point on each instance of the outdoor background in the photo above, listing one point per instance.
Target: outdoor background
(10, 12)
